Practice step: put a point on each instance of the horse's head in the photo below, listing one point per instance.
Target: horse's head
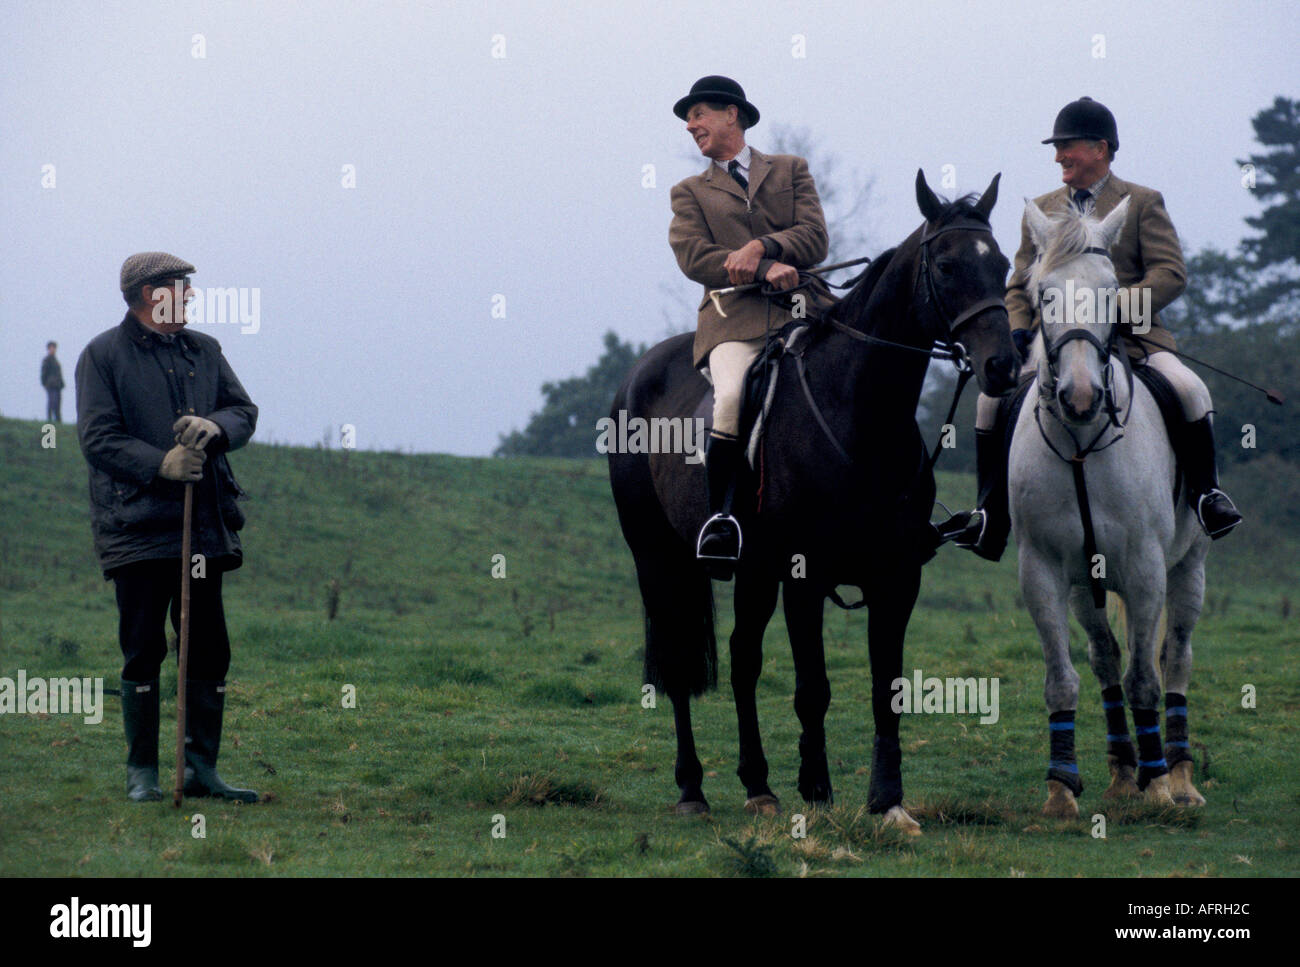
(963, 280)
(1072, 284)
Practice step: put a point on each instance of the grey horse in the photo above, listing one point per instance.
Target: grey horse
(1088, 425)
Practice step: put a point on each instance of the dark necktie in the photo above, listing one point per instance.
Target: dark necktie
(1081, 199)
(733, 168)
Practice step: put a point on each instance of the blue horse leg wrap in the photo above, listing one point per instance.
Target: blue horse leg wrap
(1061, 766)
(1177, 748)
(1151, 760)
(1118, 742)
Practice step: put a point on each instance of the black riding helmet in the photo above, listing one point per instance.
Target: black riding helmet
(1085, 120)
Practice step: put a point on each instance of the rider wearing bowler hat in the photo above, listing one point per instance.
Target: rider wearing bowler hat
(748, 217)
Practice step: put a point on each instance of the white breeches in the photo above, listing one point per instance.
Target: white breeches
(1191, 391)
(728, 363)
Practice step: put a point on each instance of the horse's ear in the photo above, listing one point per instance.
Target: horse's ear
(926, 200)
(1038, 225)
(990, 198)
(1113, 224)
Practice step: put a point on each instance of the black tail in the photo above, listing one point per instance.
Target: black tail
(681, 651)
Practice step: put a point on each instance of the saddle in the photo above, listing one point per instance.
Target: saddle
(1161, 390)
(759, 388)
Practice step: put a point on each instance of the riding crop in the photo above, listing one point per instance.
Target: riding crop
(716, 294)
(1272, 395)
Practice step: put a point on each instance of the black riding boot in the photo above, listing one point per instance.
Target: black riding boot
(987, 533)
(719, 542)
(140, 719)
(205, 703)
(1213, 507)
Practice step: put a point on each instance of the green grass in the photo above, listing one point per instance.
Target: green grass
(480, 698)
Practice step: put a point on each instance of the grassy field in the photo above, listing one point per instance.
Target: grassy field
(519, 697)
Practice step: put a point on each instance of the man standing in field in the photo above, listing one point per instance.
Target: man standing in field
(52, 380)
(159, 407)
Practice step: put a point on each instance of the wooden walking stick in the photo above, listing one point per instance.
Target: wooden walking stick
(183, 646)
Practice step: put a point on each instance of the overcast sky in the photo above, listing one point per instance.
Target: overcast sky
(499, 150)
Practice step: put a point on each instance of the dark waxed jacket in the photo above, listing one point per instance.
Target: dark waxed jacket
(51, 373)
(132, 386)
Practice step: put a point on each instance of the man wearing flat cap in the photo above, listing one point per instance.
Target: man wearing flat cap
(748, 217)
(158, 407)
(1147, 258)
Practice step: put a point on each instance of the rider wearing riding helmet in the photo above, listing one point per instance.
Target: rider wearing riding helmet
(1147, 256)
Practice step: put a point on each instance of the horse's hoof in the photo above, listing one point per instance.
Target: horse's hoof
(1157, 792)
(697, 808)
(764, 805)
(1180, 785)
(1061, 803)
(900, 820)
(817, 794)
(1123, 782)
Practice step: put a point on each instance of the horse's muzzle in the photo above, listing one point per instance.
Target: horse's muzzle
(1000, 375)
(1069, 401)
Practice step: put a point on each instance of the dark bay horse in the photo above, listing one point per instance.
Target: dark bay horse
(852, 510)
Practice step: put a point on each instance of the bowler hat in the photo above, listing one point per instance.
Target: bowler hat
(1085, 120)
(716, 89)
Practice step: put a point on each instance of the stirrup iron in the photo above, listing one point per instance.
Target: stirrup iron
(719, 519)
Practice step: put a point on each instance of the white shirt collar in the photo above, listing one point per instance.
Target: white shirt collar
(743, 156)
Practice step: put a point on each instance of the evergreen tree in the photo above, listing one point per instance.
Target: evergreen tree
(565, 426)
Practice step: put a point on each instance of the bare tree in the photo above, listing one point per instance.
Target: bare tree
(846, 194)
(846, 197)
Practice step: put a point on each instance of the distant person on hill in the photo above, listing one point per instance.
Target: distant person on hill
(158, 406)
(52, 380)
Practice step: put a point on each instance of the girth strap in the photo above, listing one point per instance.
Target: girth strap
(816, 411)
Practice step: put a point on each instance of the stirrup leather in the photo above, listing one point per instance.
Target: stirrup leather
(722, 519)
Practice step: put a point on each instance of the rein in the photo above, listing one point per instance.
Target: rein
(1047, 391)
(950, 349)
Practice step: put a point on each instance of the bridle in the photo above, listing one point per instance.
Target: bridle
(950, 348)
(1047, 388)
(1046, 397)
(952, 324)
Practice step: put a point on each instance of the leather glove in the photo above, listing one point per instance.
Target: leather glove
(183, 464)
(195, 432)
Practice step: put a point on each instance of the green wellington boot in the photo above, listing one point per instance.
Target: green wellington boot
(206, 702)
(140, 720)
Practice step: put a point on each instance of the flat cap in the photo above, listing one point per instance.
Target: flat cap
(144, 266)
